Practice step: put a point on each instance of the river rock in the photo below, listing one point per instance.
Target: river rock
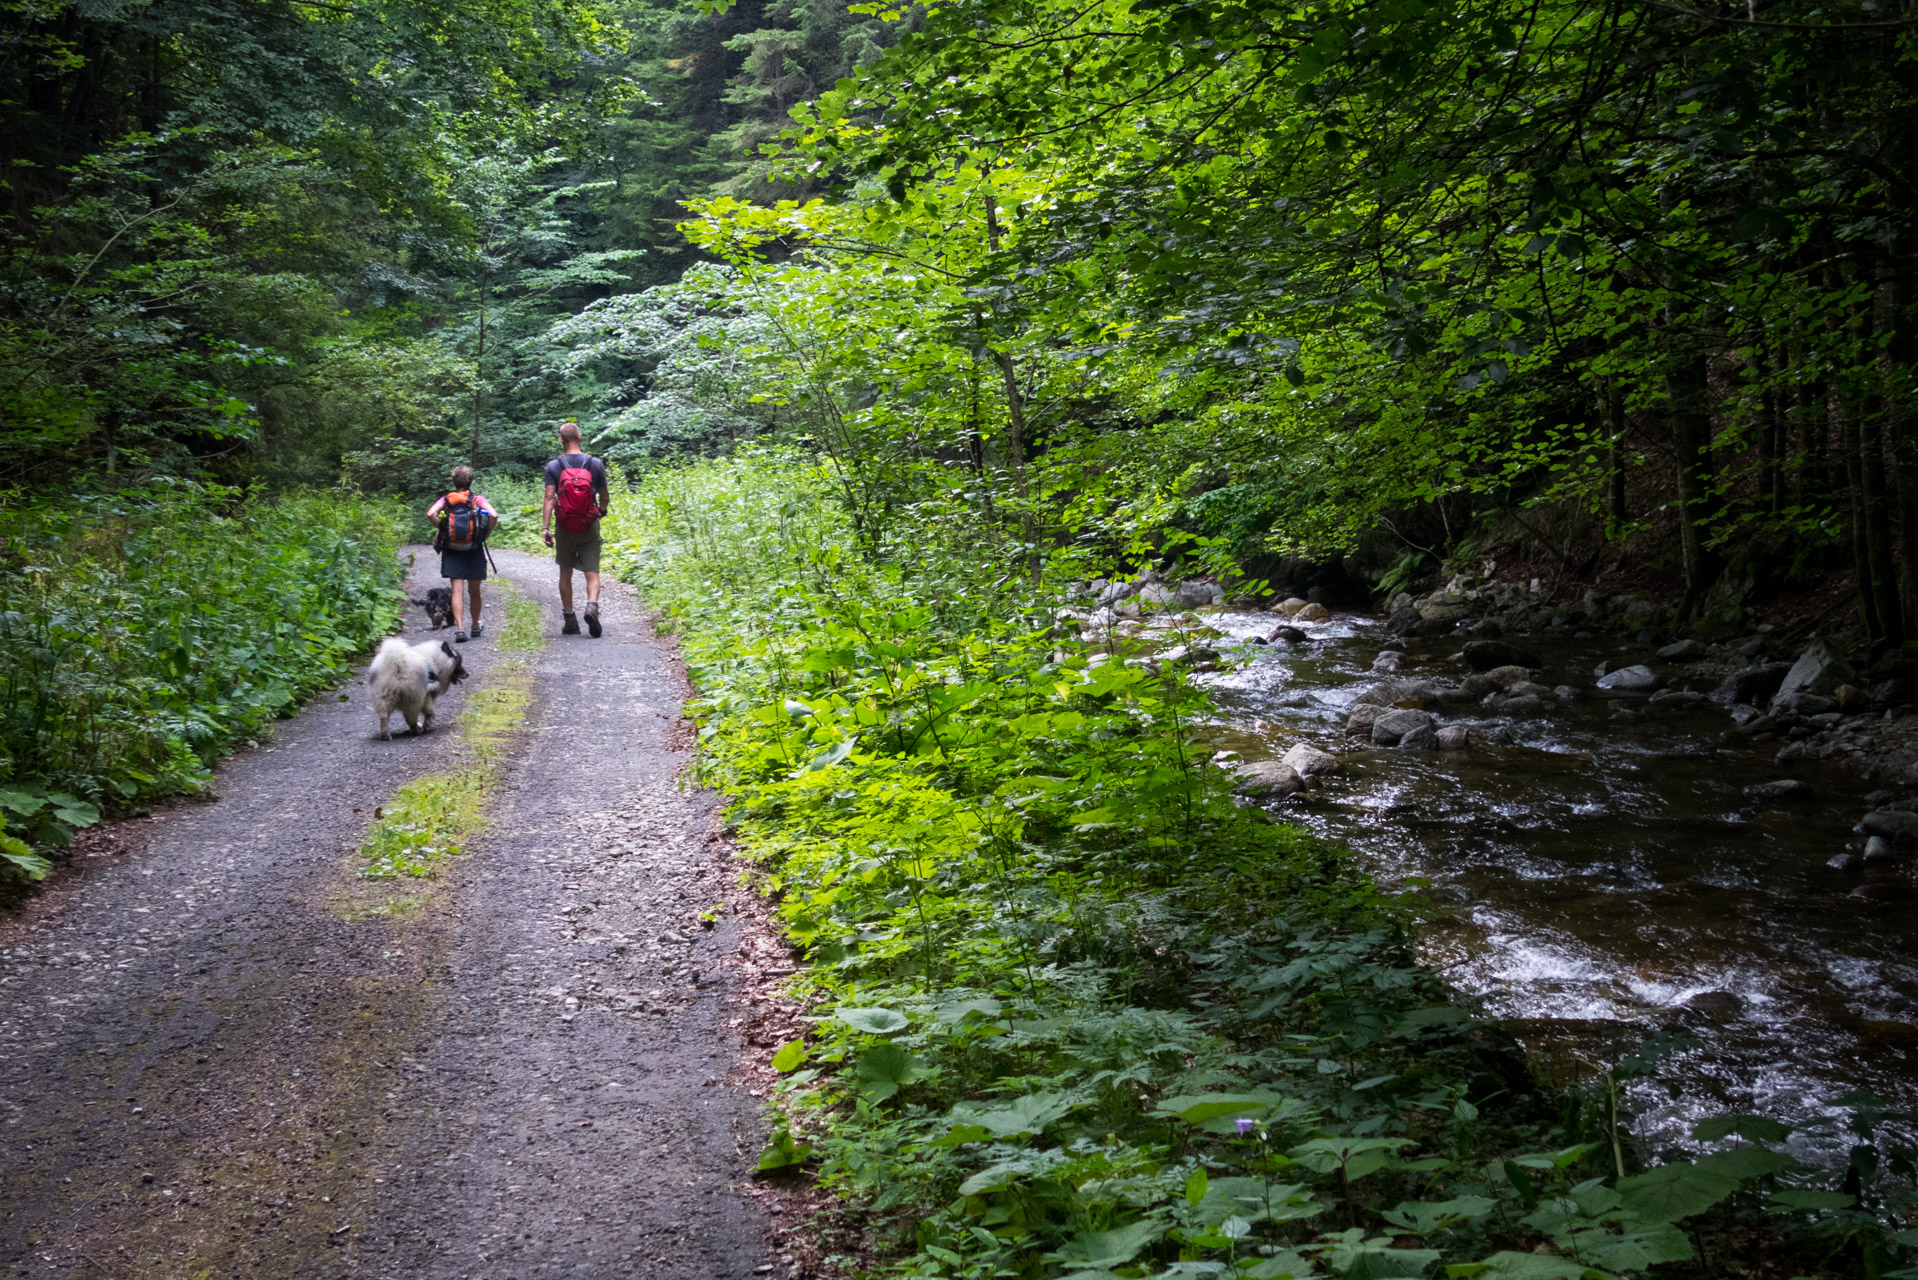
(1780, 791)
(1487, 655)
(1454, 737)
(1289, 606)
(1879, 851)
(1851, 699)
(1524, 706)
(1129, 609)
(1846, 861)
(1113, 592)
(1309, 761)
(1487, 628)
(1378, 695)
(1268, 780)
(1363, 716)
(1683, 651)
(1198, 594)
(1635, 679)
(1404, 621)
(1288, 635)
(1565, 693)
(1895, 692)
(1535, 689)
(1508, 677)
(1755, 684)
(1388, 660)
(1719, 1006)
(1804, 704)
(1818, 670)
(1314, 612)
(1676, 700)
(1478, 684)
(1455, 695)
(1423, 738)
(1394, 725)
(1892, 824)
(1157, 593)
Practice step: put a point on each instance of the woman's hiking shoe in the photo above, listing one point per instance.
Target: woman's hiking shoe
(592, 617)
(478, 627)
(571, 625)
(459, 637)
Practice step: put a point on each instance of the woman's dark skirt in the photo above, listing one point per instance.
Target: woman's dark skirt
(465, 566)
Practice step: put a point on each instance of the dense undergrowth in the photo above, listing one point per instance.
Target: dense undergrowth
(143, 633)
(1075, 1013)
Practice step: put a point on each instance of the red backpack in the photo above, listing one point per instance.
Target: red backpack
(573, 498)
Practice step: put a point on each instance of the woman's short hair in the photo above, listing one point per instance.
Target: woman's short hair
(462, 477)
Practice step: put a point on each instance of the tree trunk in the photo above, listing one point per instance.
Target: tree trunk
(1876, 518)
(1856, 505)
(1611, 420)
(1688, 389)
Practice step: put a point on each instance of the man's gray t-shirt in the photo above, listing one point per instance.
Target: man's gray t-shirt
(586, 460)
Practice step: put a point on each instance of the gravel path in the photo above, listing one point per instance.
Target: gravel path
(214, 1062)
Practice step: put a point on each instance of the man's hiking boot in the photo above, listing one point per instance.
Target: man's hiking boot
(570, 627)
(478, 627)
(592, 617)
(459, 637)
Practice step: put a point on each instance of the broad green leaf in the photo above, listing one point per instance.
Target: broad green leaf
(1354, 1157)
(1745, 1163)
(1673, 1192)
(1520, 1266)
(878, 1022)
(1632, 1250)
(883, 1068)
(789, 1056)
(1423, 1217)
(1808, 1201)
(1112, 1248)
(783, 1153)
(1025, 1115)
(1197, 1108)
(1751, 1128)
(1195, 1188)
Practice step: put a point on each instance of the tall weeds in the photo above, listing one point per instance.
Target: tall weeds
(145, 632)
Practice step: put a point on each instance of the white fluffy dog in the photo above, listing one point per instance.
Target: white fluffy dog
(409, 678)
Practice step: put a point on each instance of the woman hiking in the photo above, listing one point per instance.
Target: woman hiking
(464, 519)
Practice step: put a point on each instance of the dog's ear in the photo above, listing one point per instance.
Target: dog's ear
(449, 651)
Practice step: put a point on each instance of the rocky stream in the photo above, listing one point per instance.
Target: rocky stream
(1617, 833)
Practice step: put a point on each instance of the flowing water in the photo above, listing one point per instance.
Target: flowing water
(1596, 879)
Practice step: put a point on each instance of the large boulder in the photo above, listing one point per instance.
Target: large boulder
(1526, 706)
(1780, 791)
(1676, 700)
(1818, 670)
(1309, 761)
(1484, 655)
(1892, 824)
(1197, 594)
(1156, 593)
(1390, 727)
(1287, 635)
(1289, 607)
(1509, 677)
(1636, 679)
(1423, 738)
(1114, 592)
(1404, 621)
(1268, 780)
(1754, 684)
(1454, 737)
(1314, 612)
(1378, 695)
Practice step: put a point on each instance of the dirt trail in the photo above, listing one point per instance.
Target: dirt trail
(211, 1067)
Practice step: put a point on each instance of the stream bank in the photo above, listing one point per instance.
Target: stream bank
(1616, 832)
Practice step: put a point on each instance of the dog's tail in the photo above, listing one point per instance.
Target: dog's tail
(420, 603)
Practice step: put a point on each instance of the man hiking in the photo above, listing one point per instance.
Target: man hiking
(576, 498)
(464, 519)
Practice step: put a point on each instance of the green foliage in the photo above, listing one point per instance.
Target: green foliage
(145, 632)
(1075, 1013)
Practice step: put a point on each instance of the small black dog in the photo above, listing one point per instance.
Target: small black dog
(439, 606)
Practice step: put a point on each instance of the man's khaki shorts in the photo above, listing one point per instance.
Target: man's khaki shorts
(577, 550)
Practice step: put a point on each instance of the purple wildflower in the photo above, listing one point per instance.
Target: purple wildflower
(1245, 1125)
